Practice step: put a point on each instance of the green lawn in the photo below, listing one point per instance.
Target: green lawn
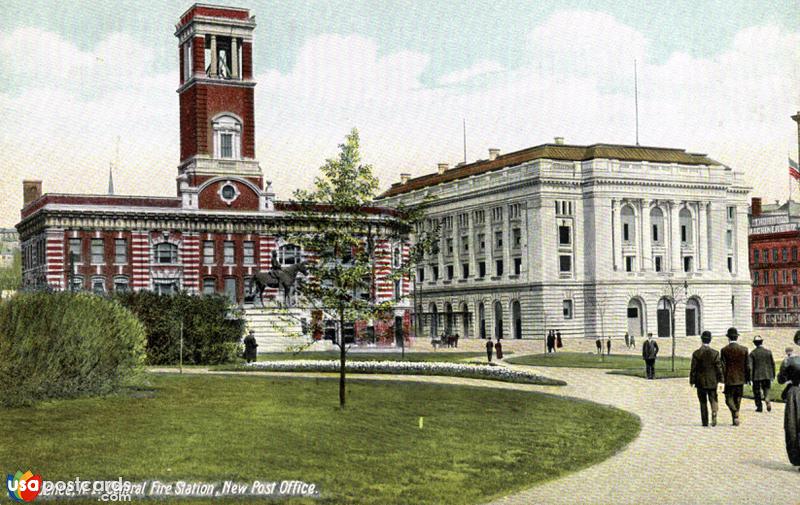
(476, 444)
(589, 360)
(373, 356)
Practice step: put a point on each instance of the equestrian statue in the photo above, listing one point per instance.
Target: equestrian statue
(279, 277)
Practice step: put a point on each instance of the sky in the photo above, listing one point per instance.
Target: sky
(715, 77)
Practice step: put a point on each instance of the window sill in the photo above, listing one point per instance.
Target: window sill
(461, 281)
(480, 279)
(448, 281)
(497, 277)
(515, 276)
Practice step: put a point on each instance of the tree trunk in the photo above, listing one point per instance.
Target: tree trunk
(342, 354)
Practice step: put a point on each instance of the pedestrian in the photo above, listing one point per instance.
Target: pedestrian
(599, 344)
(498, 347)
(790, 373)
(705, 374)
(551, 341)
(559, 343)
(762, 368)
(489, 348)
(650, 354)
(456, 340)
(736, 372)
(627, 340)
(250, 347)
(608, 346)
(633, 342)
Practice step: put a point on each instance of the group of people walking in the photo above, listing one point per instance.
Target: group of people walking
(734, 366)
(554, 341)
(498, 348)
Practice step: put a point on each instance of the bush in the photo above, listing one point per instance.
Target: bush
(64, 345)
(209, 336)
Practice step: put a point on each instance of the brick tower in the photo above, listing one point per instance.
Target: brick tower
(218, 169)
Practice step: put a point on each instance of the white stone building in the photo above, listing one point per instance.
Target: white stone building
(584, 239)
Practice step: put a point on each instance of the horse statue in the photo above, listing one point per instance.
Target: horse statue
(285, 279)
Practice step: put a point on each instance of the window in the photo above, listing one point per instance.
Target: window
(784, 254)
(794, 253)
(77, 283)
(398, 290)
(794, 301)
(729, 239)
(731, 213)
(517, 266)
(756, 255)
(775, 255)
(658, 263)
(775, 301)
(465, 243)
(567, 309)
(187, 60)
(481, 242)
(166, 253)
(629, 263)
(479, 216)
(289, 254)
(657, 223)
(755, 278)
(628, 224)
(730, 264)
(209, 286)
(121, 284)
(766, 302)
(498, 268)
(227, 133)
(481, 269)
(775, 277)
(626, 236)
(75, 253)
(464, 270)
(435, 273)
(421, 274)
(231, 288)
(794, 276)
(449, 246)
(514, 210)
(785, 277)
(687, 263)
(498, 239)
(228, 252)
(565, 263)
(208, 252)
(228, 192)
(564, 235)
(684, 234)
(97, 251)
(497, 214)
(120, 251)
(516, 238)
(655, 233)
(249, 248)
(98, 285)
(685, 219)
(449, 272)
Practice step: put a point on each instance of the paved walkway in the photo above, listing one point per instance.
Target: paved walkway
(673, 461)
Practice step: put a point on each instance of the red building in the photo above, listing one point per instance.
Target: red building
(224, 223)
(774, 242)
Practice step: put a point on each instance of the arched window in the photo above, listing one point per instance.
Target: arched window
(481, 320)
(98, 285)
(227, 137)
(289, 254)
(166, 253)
(121, 284)
(628, 225)
(693, 320)
(498, 320)
(434, 321)
(657, 225)
(464, 320)
(516, 317)
(448, 319)
(685, 218)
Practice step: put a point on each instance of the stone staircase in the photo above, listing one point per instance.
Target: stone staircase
(279, 329)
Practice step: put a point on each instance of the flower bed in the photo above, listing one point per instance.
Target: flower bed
(499, 373)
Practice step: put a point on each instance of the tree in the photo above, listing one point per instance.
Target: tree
(11, 275)
(674, 294)
(600, 305)
(339, 228)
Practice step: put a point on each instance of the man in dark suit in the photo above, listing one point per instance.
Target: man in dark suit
(736, 372)
(489, 349)
(705, 374)
(649, 354)
(762, 367)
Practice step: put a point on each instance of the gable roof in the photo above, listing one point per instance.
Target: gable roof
(559, 152)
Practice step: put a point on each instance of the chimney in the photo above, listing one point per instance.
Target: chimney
(559, 140)
(404, 178)
(31, 190)
(443, 167)
(755, 208)
(493, 153)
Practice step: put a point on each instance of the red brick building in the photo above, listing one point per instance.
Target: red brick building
(774, 242)
(224, 223)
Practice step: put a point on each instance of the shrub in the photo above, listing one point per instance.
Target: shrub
(210, 336)
(64, 345)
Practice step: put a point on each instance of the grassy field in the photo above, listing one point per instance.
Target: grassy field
(476, 443)
(588, 360)
(374, 356)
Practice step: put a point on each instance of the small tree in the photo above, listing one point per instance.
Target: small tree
(600, 305)
(11, 275)
(339, 228)
(674, 294)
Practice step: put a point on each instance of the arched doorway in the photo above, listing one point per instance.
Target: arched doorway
(434, 321)
(464, 320)
(498, 320)
(481, 320)
(635, 317)
(664, 315)
(448, 319)
(693, 321)
(516, 318)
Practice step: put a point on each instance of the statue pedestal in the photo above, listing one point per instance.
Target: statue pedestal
(279, 329)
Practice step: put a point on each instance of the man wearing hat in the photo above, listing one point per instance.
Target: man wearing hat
(705, 374)
(762, 367)
(790, 373)
(735, 371)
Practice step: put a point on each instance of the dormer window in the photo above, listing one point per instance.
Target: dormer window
(227, 137)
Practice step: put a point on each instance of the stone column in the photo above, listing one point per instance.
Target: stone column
(617, 233)
(213, 70)
(234, 58)
(473, 245)
(489, 234)
(702, 236)
(647, 236)
(675, 236)
(507, 266)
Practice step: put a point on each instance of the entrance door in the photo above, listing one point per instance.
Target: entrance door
(635, 318)
(664, 315)
(691, 319)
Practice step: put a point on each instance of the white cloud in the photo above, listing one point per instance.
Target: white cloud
(576, 83)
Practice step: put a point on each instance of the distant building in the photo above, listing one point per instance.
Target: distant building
(774, 241)
(9, 245)
(585, 239)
